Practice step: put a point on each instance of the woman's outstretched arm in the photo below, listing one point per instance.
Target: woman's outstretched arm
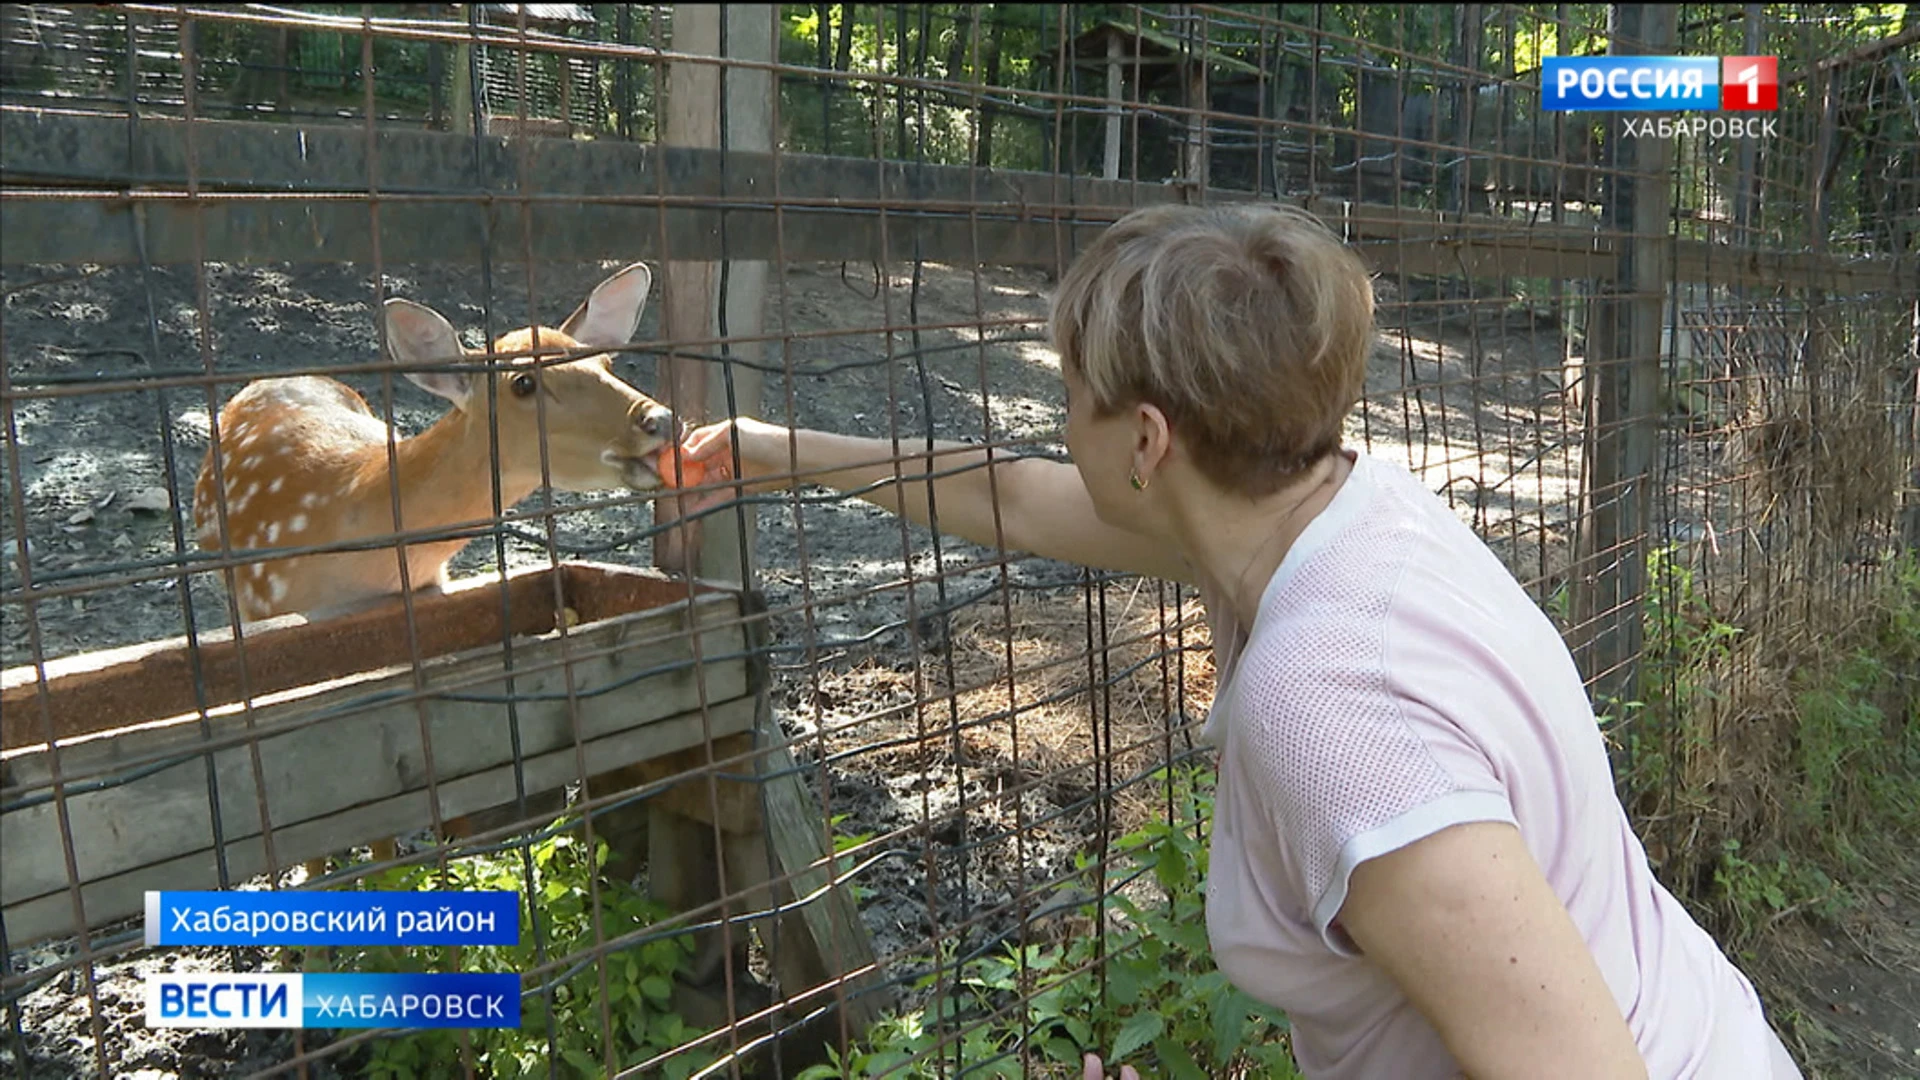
(1042, 506)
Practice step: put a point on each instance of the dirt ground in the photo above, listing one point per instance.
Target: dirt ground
(1851, 989)
(1475, 409)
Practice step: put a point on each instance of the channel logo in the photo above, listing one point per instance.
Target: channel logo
(1660, 84)
(332, 1000)
(227, 1001)
(1750, 83)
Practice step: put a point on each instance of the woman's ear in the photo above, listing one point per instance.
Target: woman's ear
(1153, 440)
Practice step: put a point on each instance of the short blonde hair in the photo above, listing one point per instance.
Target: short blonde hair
(1248, 325)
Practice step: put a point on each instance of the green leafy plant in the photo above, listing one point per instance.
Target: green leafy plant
(1760, 891)
(626, 995)
(1857, 713)
(844, 864)
(1683, 634)
(1146, 992)
(1684, 643)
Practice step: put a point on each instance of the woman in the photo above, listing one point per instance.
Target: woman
(1418, 853)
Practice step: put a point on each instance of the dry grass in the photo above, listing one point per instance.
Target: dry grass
(1820, 448)
(1064, 719)
(1031, 707)
(1830, 470)
(1732, 736)
(1719, 742)
(1822, 462)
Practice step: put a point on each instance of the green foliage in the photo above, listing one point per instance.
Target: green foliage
(991, 46)
(1149, 994)
(1683, 641)
(1756, 893)
(844, 864)
(569, 1028)
(1858, 722)
(1849, 783)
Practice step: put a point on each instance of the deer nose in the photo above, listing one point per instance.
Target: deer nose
(657, 421)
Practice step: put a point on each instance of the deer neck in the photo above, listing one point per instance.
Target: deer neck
(446, 474)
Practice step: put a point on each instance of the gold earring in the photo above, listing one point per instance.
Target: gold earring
(1134, 479)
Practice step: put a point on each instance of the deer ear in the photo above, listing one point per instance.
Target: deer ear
(417, 336)
(612, 312)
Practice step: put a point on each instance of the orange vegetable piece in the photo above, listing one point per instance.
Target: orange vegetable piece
(692, 473)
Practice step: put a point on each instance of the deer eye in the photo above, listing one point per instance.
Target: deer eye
(523, 385)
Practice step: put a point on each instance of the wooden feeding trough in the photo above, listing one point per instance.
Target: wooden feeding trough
(324, 728)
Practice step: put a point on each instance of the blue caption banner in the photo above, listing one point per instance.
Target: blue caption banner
(333, 918)
(1624, 83)
(213, 999)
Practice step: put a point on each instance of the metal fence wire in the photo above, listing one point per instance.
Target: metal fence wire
(819, 779)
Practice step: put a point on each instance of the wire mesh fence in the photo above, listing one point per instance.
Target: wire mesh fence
(815, 777)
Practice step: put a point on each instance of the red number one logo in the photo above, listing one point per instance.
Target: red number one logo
(1750, 83)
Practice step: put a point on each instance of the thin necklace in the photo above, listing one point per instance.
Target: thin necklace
(1278, 531)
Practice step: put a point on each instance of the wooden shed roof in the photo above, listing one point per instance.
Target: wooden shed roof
(1151, 45)
(571, 14)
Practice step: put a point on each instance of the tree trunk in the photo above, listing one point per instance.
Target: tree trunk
(1746, 190)
(900, 68)
(260, 69)
(1467, 42)
(990, 50)
(436, 94)
(1116, 53)
(920, 69)
(843, 57)
(962, 36)
(282, 59)
(825, 12)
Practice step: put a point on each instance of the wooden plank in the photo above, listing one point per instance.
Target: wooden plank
(836, 939)
(119, 896)
(62, 149)
(116, 688)
(683, 874)
(692, 285)
(701, 296)
(358, 757)
(1624, 362)
(733, 805)
(753, 33)
(825, 938)
(600, 199)
(292, 230)
(1485, 260)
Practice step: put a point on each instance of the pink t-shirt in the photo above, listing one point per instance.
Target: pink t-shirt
(1398, 681)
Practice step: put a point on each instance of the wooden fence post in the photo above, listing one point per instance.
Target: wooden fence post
(698, 297)
(1116, 56)
(461, 99)
(1623, 370)
(824, 938)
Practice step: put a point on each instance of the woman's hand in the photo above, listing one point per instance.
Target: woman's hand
(1092, 1069)
(763, 446)
(764, 451)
